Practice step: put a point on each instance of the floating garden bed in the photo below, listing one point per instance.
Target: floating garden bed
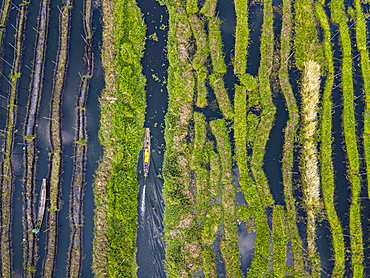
(216, 137)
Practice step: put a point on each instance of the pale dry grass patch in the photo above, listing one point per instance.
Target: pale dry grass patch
(310, 93)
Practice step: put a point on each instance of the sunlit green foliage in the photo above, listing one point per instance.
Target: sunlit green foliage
(326, 165)
(241, 36)
(123, 102)
(306, 43)
(350, 138)
(362, 42)
(279, 239)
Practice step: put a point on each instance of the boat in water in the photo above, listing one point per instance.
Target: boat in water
(41, 208)
(146, 152)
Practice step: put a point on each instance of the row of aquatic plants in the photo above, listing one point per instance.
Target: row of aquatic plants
(252, 117)
(229, 243)
(100, 248)
(5, 8)
(306, 42)
(279, 238)
(362, 43)
(268, 110)
(55, 126)
(290, 138)
(241, 37)
(308, 59)
(122, 117)
(198, 192)
(75, 254)
(259, 121)
(326, 149)
(30, 152)
(7, 171)
(350, 139)
(183, 247)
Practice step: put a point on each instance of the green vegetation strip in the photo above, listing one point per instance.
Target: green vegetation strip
(197, 196)
(250, 189)
(122, 117)
(229, 243)
(215, 45)
(100, 245)
(350, 139)
(306, 43)
(241, 36)
(251, 131)
(7, 171)
(279, 239)
(182, 244)
(266, 118)
(55, 168)
(290, 138)
(310, 93)
(5, 8)
(309, 58)
(362, 42)
(75, 255)
(326, 164)
(207, 216)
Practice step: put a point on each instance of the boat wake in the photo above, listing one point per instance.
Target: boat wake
(142, 202)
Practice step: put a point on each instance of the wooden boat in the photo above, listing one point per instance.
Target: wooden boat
(41, 208)
(146, 152)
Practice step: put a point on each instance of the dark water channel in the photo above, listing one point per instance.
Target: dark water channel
(150, 253)
(76, 67)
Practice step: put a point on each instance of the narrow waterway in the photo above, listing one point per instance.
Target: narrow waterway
(150, 244)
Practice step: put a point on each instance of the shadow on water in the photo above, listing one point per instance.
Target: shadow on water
(150, 252)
